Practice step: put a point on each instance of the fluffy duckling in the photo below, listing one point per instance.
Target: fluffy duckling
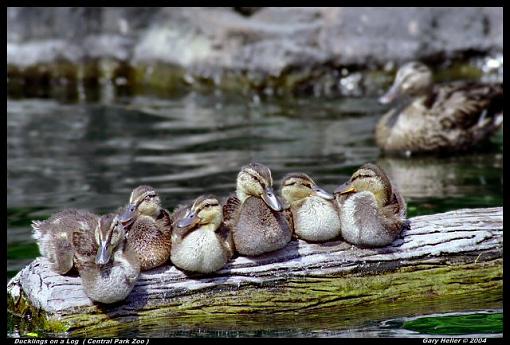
(149, 227)
(108, 268)
(255, 214)
(95, 246)
(372, 212)
(314, 214)
(430, 118)
(54, 236)
(199, 241)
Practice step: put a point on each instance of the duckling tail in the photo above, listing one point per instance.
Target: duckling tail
(36, 229)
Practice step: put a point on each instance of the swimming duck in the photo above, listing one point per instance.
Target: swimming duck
(200, 242)
(446, 117)
(107, 267)
(54, 236)
(148, 227)
(254, 214)
(372, 211)
(314, 214)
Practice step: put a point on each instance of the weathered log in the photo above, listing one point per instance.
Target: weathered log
(453, 257)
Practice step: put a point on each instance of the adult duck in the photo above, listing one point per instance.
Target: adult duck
(432, 118)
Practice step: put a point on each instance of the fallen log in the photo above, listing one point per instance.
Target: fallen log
(445, 262)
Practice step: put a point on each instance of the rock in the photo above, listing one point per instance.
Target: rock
(270, 41)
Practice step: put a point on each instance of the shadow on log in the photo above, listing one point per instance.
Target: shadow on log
(445, 262)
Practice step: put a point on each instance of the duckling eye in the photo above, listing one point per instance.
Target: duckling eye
(360, 176)
(290, 184)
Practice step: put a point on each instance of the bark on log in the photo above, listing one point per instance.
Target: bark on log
(454, 256)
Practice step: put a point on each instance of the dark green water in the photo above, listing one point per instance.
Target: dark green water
(457, 324)
(91, 155)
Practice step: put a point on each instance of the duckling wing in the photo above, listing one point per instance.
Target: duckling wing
(147, 232)
(85, 249)
(287, 214)
(390, 219)
(165, 220)
(151, 240)
(231, 211)
(225, 234)
(397, 201)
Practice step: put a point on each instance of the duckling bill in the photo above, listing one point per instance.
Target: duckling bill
(314, 215)
(372, 211)
(431, 118)
(254, 214)
(200, 242)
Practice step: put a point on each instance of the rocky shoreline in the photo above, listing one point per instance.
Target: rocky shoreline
(263, 50)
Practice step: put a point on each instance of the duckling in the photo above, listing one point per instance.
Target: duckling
(54, 236)
(199, 241)
(254, 214)
(107, 267)
(149, 227)
(372, 212)
(314, 214)
(430, 118)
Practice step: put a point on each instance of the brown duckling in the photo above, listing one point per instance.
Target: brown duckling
(255, 214)
(430, 118)
(54, 236)
(200, 242)
(95, 246)
(372, 212)
(108, 269)
(149, 227)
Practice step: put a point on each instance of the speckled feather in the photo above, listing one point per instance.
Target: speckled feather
(447, 119)
(54, 236)
(151, 239)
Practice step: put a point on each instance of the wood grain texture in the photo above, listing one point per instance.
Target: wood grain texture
(432, 258)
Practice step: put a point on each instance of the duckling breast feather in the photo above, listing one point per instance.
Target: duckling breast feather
(316, 220)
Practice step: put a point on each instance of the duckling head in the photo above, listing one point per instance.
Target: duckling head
(370, 178)
(413, 79)
(255, 179)
(109, 233)
(298, 186)
(144, 200)
(205, 211)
